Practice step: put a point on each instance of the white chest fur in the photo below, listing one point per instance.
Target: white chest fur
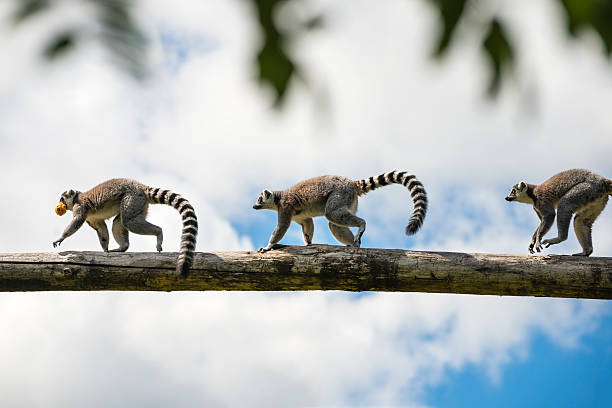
(107, 211)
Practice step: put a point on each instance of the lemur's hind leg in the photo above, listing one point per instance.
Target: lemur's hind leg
(102, 230)
(307, 230)
(133, 217)
(339, 208)
(583, 232)
(583, 223)
(121, 235)
(567, 205)
(343, 234)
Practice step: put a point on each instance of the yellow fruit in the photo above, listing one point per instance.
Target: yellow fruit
(60, 209)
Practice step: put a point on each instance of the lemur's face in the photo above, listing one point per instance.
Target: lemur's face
(68, 198)
(265, 201)
(519, 193)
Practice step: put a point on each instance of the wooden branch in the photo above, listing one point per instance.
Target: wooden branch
(317, 267)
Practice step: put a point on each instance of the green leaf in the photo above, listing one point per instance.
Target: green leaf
(603, 23)
(315, 23)
(29, 8)
(450, 12)
(59, 45)
(500, 52)
(275, 68)
(590, 14)
(122, 36)
(579, 13)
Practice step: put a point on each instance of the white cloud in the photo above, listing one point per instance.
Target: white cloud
(237, 349)
(202, 127)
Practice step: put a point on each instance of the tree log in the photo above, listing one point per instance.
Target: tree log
(316, 267)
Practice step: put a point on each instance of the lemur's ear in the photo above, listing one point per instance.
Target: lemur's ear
(522, 185)
(70, 192)
(267, 193)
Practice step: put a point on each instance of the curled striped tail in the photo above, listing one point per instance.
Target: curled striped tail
(417, 191)
(190, 225)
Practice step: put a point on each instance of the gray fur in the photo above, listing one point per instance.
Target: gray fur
(128, 201)
(121, 235)
(334, 197)
(577, 191)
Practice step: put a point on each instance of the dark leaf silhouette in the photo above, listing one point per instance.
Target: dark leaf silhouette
(272, 60)
(275, 68)
(112, 24)
(450, 12)
(499, 51)
(29, 8)
(59, 45)
(594, 14)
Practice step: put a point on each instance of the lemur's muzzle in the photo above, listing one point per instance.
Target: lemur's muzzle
(509, 199)
(256, 207)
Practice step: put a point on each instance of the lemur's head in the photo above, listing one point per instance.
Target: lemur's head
(265, 201)
(519, 193)
(68, 198)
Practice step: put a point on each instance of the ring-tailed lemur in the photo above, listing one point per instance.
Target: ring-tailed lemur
(128, 201)
(335, 197)
(573, 191)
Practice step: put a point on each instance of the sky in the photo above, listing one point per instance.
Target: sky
(371, 101)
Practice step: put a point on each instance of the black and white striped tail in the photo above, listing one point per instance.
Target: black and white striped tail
(190, 225)
(417, 191)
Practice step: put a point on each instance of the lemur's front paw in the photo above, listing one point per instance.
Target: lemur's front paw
(538, 246)
(57, 243)
(265, 249)
(548, 242)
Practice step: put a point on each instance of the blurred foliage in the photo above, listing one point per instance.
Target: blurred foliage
(500, 53)
(498, 46)
(450, 13)
(28, 8)
(595, 14)
(495, 44)
(275, 66)
(113, 25)
(60, 44)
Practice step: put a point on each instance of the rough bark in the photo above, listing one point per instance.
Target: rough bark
(317, 267)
